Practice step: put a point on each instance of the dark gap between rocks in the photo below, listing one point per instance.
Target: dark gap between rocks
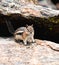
(41, 32)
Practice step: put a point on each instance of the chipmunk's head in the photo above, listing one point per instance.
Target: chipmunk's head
(30, 28)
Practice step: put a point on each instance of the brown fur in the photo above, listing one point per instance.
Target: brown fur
(26, 34)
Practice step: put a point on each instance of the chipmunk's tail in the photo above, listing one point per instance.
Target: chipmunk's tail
(10, 27)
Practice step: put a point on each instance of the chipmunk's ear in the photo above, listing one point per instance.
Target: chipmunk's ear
(26, 25)
(32, 25)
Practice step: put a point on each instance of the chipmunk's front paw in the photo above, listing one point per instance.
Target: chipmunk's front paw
(25, 43)
(33, 41)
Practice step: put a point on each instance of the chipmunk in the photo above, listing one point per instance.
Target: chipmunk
(24, 34)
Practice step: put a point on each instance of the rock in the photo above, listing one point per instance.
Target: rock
(28, 7)
(12, 53)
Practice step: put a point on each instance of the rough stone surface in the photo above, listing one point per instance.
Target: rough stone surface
(26, 8)
(12, 53)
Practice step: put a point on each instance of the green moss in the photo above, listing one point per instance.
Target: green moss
(50, 28)
(54, 19)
